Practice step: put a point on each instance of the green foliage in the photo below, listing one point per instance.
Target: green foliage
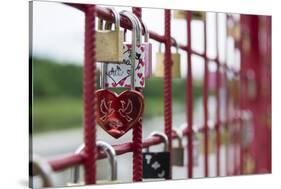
(57, 95)
(56, 113)
(51, 79)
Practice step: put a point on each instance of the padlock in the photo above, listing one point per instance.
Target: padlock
(176, 58)
(195, 15)
(178, 152)
(212, 137)
(147, 52)
(156, 165)
(111, 155)
(247, 129)
(118, 75)
(196, 149)
(40, 167)
(109, 43)
(118, 113)
(234, 30)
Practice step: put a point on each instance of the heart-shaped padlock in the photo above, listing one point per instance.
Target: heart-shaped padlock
(117, 113)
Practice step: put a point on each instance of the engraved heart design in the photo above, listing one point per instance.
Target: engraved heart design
(117, 114)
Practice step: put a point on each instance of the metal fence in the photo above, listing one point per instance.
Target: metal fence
(245, 124)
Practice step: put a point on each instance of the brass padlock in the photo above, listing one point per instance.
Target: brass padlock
(109, 43)
(39, 167)
(195, 15)
(176, 59)
(196, 148)
(211, 139)
(178, 152)
(111, 155)
(234, 30)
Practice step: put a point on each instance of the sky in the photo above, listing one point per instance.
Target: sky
(58, 34)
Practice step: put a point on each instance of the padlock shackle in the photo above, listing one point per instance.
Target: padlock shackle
(75, 172)
(178, 137)
(116, 18)
(176, 44)
(43, 169)
(110, 154)
(139, 24)
(135, 31)
(131, 16)
(164, 138)
(100, 24)
(146, 32)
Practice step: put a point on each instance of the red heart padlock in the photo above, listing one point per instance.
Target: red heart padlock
(117, 114)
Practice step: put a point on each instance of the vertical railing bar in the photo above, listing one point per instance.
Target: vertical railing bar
(226, 104)
(205, 102)
(241, 106)
(218, 73)
(168, 82)
(89, 88)
(189, 98)
(137, 131)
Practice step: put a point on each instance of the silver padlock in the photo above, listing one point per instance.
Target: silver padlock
(111, 155)
(41, 168)
(121, 75)
(178, 152)
(147, 53)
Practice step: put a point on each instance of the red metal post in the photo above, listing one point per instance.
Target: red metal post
(205, 103)
(168, 81)
(137, 135)
(218, 81)
(89, 88)
(189, 98)
(226, 103)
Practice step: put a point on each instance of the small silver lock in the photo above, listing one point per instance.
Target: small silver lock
(40, 167)
(178, 152)
(111, 155)
(132, 69)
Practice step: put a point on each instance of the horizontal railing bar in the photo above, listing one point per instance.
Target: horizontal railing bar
(70, 160)
(105, 14)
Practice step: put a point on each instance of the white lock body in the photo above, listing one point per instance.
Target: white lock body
(119, 75)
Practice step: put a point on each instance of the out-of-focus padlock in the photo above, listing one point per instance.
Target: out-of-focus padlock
(196, 149)
(176, 59)
(39, 167)
(109, 43)
(234, 30)
(111, 155)
(178, 152)
(156, 165)
(119, 75)
(195, 15)
(247, 129)
(148, 53)
(212, 137)
(198, 15)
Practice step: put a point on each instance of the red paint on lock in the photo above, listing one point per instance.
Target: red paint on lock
(117, 114)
